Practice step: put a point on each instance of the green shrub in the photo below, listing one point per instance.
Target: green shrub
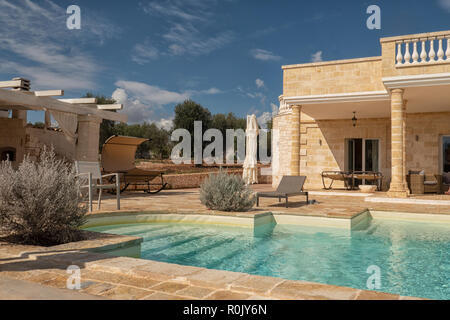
(226, 192)
(40, 202)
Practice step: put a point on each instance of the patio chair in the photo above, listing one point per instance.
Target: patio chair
(445, 182)
(288, 187)
(95, 181)
(118, 155)
(421, 183)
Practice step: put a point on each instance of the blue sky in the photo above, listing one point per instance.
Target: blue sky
(225, 54)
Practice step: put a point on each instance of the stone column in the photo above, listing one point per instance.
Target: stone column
(47, 119)
(20, 114)
(295, 136)
(405, 102)
(398, 186)
(88, 138)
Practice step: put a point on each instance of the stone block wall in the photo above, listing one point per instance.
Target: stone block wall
(36, 139)
(281, 157)
(12, 134)
(423, 140)
(343, 76)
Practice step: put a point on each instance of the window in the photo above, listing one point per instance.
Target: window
(7, 154)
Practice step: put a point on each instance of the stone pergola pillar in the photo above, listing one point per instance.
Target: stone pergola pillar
(398, 186)
(88, 138)
(295, 136)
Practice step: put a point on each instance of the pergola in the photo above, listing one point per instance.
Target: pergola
(79, 119)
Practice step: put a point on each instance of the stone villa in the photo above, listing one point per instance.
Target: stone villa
(389, 114)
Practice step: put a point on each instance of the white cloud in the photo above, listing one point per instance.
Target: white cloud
(120, 95)
(445, 4)
(259, 83)
(254, 95)
(316, 57)
(186, 10)
(189, 26)
(151, 94)
(144, 53)
(187, 39)
(141, 101)
(166, 124)
(263, 119)
(274, 108)
(48, 52)
(144, 102)
(191, 11)
(264, 55)
(211, 91)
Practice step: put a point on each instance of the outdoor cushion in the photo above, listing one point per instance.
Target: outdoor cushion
(430, 183)
(446, 177)
(414, 171)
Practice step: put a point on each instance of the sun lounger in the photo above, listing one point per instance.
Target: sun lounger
(118, 155)
(349, 178)
(289, 186)
(346, 177)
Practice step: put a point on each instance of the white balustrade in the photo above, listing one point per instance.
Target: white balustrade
(284, 107)
(427, 54)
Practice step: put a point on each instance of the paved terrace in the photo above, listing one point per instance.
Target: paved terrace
(333, 204)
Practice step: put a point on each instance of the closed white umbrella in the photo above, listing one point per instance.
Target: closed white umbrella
(250, 173)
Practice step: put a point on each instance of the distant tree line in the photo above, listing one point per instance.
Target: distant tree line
(159, 146)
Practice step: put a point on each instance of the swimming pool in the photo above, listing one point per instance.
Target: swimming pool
(413, 258)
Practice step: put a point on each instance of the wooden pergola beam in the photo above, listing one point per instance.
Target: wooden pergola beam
(10, 84)
(49, 93)
(80, 100)
(32, 102)
(110, 106)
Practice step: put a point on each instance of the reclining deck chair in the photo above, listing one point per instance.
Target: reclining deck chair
(289, 186)
(118, 154)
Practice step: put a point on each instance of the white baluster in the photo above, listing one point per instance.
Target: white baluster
(399, 54)
(423, 53)
(440, 53)
(432, 54)
(415, 55)
(407, 54)
(447, 53)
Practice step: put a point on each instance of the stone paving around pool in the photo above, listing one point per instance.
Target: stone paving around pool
(332, 204)
(128, 278)
(103, 276)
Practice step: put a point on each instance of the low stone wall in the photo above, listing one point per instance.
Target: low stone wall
(194, 180)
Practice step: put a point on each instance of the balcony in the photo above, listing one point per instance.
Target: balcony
(425, 53)
(428, 54)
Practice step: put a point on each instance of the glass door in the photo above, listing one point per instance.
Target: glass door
(371, 155)
(362, 155)
(446, 154)
(354, 155)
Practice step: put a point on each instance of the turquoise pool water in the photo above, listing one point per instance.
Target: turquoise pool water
(414, 258)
